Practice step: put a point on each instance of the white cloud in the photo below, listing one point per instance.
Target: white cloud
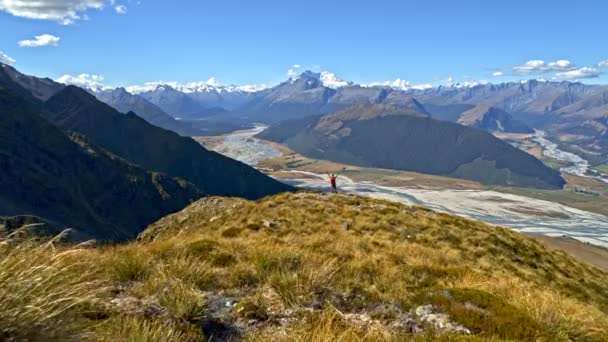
(531, 67)
(41, 40)
(6, 59)
(579, 73)
(498, 74)
(537, 66)
(603, 64)
(62, 11)
(562, 64)
(121, 9)
(292, 71)
(90, 81)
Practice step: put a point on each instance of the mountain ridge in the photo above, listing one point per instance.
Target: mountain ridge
(134, 139)
(412, 142)
(492, 119)
(65, 179)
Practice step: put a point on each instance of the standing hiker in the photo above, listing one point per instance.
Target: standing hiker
(332, 180)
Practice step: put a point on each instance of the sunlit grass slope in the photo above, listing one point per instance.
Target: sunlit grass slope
(304, 266)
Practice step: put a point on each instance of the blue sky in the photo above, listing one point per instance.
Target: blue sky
(252, 42)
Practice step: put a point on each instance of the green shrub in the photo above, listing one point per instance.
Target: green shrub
(487, 315)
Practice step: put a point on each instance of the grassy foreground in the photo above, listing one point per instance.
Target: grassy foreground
(301, 267)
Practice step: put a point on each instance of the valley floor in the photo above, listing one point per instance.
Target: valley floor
(547, 213)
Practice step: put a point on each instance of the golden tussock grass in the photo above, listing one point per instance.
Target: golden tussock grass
(309, 267)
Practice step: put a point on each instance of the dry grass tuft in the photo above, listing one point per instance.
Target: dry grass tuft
(45, 294)
(301, 267)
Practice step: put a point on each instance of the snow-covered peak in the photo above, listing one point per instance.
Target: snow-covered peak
(86, 81)
(468, 84)
(399, 84)
(328, 79)
(539, 80)
(212, 85)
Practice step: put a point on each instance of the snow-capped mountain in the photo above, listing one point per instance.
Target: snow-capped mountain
(399, 84)
(330, 80)
(195, 99)
(212, 85)
(327, 79)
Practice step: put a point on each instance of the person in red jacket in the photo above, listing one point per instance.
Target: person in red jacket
(332, 181)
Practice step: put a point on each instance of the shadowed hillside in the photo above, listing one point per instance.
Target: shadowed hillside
(132, 138)
(394, 138)
(492, 119)
(74, 184)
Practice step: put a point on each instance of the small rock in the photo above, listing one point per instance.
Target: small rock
(213, 218)
(346, 225)
(359, 319)
(439, 321)
(424, 310)
(407, 324)
(269, 224)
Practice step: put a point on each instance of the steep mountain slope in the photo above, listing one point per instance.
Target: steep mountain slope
(311, 94)
(40, 88)
(307, 266)
(74, 184)
(488, 118)
(447, 112)
(125, 102)
(394, 138)
(198, 103)
(593, 106)
(173, 102)
(194, 100)
(132, 138)
(302, 96)
(591, 135)
(44, 88)
(531, 96)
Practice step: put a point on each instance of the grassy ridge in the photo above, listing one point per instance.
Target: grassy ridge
(310, 266)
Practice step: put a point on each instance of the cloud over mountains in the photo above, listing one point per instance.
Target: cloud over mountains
(41, 40)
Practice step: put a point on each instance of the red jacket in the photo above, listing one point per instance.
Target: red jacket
(332, 180)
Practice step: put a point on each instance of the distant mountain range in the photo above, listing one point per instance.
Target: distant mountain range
(556, 107)
(125, 102)
(78, 162)
(198, 101)
(391, 137)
